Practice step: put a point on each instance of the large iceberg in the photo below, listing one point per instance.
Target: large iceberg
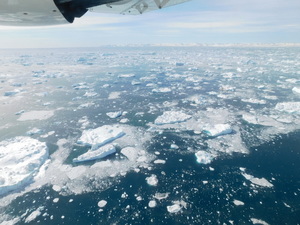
(100, 136)
(20, 160)
(218, 130)
(170, 117)
(96, 154)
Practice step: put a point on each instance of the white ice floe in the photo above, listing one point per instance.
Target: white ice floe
(159, 161)
(102, 203)
(36, 115)
(128, 75)
(99, 153)
(162, 90)
(175, 208)
(170, 117)
(152, 204)
(238, 202)
(32, 216)
(34, 131)
(254, 101)
(20, 160)
(114, 115)
(131, 153)
(218, 130)
(114, 95)
(204, 157)
(257, 181)
(152, 180)
(296, 90)
(258, 221)
(160, 196)
(100, 136)
(290, 107)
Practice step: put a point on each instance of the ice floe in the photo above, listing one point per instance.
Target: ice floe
(152, 180)
(100, 136)
(290, 107)
(114, 115)
(94, 154)
(152, 204)
(170, 117)
(204, 157)
(258, 181)
(102, 203)
(175, 208)
(218, 130)
(36, 115)
(20, 160)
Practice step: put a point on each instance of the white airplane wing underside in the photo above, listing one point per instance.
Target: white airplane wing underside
(135, 7)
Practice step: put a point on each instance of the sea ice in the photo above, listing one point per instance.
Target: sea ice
(257, 181)
(174, 208)
(152, 180)
(32, 216)
(36, 115)
(238, 202)
(20, 160)
(152, 204)
(162, 90)
(290, 107)
(102, 203)
(170, 117)
(131, 153)
(100, 136)
(204, 157)
(258, 221)
(218, 130)
(296, 90)
(114, 115)
(96, 154)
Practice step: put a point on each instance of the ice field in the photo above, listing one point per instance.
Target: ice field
(150, 135)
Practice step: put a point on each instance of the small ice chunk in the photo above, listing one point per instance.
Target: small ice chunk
(152, 180)
(96, 154)
(218, 130)
(160, 196)
(170, 117)
(152, 204)
(174, 146)
(20, 112)
(56, 188)
(174, 208)
(254, 101)
(34, 131)
(126, 75)
(102, 203)
(159, 161)
(162, 90)
(114, 95)
(204, 157)
(258, 221)
(238, 202)
(56, 200)
(114, 115)
(296, 90)
(32, 216)
(100, 136)
(258, 181)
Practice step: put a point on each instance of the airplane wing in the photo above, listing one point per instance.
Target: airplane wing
(135, 7)
(52, 12)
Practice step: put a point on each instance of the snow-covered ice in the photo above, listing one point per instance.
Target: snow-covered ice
(218, 130)
(36, 115)
(152, 204)
(170, 117)
(102, 203)
(94, 154)
(114, 115)
(290, 107)
(238, 202)
(100, 136)
(204, 157)
(175, 208)
(20, 160)
(152, 180)
(257, 181)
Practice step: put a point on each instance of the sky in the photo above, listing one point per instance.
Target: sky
(196, 21)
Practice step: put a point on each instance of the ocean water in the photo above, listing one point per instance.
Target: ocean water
(56, 95)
